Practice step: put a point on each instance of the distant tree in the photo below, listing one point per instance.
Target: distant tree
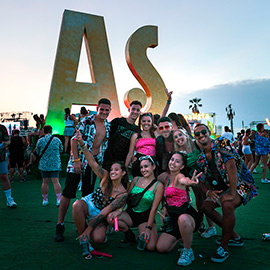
(230, 115)
(195, 103)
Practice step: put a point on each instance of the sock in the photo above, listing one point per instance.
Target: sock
(8, 193)
(45, 197)
(58, 196)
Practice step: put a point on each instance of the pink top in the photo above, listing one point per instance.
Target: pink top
(146, 146)
(175, 196)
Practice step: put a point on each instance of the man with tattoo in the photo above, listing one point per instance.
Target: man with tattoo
(95, 134)
(226, 183)
(108, 197)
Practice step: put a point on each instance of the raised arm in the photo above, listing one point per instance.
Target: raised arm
(131, 149)
(98, 170)
(168, 103)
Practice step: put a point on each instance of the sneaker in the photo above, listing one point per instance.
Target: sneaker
(209, 232)
(202, 228)
(221, 255)
(45, 203)
(127, 241)
(232, 242)
(85, 247)
(58, 203)
(59, 234)
(266, 237)
(11, 203)
(265, 181)
(186, 257)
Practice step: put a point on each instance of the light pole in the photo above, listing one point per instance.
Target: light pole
(230, 114)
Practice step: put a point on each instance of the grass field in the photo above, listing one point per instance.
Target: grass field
(26, 237)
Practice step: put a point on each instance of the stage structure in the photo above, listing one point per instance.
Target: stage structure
(65, 90)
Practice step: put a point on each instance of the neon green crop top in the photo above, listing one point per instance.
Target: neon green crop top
(147, 199)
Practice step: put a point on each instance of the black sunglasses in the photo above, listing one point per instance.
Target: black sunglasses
(197, 134)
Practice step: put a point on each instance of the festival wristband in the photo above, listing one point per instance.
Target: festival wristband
(76, 160)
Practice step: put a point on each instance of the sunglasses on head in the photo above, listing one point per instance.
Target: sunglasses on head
(146, 158)
(204, 131)
(167, 127)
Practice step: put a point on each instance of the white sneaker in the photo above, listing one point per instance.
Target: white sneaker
(58, 203)
(11, 203)
(45, 203)
(209, 232)
(265, 181)
(186, 257)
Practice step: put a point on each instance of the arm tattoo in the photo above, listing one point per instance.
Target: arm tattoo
(100, 170)
(117, 203)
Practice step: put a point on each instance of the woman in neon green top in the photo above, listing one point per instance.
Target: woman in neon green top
(143, 215)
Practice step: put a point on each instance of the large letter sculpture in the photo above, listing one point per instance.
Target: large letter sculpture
(65, 91)
(140, 66)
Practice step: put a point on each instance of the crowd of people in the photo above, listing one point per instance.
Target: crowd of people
(145, 170)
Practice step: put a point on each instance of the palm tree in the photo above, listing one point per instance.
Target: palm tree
(195, 104)
(230, 114)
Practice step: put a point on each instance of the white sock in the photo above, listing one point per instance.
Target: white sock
(8, 193)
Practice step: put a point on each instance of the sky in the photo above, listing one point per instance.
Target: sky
(202, 44)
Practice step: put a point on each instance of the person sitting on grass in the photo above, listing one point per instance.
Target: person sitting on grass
(95, 207)
(143, 214)
(183, 218)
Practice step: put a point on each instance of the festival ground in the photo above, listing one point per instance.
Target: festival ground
(27, 237)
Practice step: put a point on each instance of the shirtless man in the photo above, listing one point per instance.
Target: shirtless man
(95, 133)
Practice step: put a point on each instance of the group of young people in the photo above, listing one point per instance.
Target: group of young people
(165, 161)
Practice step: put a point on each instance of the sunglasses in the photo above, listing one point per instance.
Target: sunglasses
(167, 127)
(178, 135)
(197, 134)
(146, 158)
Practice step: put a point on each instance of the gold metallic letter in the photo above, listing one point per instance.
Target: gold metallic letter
(65, 91)
(140, 66)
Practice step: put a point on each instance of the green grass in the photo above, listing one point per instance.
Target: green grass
(26, 237)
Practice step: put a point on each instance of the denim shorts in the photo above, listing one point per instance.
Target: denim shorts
(93, 211)
(51, 174)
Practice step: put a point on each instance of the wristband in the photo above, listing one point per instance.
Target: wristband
(148, 227)
(83, 147)
(76, 160)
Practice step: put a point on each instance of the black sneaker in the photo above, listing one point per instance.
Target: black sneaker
(232, 242)
(59, 234)
(221, 255)
(202, 228)
(127, 241)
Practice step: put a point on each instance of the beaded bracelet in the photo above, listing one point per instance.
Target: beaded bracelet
(76, 160)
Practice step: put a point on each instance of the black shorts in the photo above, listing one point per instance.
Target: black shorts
(174, 219)
(73, 179)
(138, 217)
(16, 159)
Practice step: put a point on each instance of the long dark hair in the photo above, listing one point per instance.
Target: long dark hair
(184, 171)
(124, 180)
(152, 124)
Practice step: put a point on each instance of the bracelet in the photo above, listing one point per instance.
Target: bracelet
(169, 101)
(76, 160)
(149, 227)
(83, 147)
(207, 193)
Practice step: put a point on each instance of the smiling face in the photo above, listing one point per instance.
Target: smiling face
(146, 123)
(176, 163)
(165, 129)
(103, 111)
(134, 112)
(116, 172)
(179, 138)
(202, 135)
(147, 168)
